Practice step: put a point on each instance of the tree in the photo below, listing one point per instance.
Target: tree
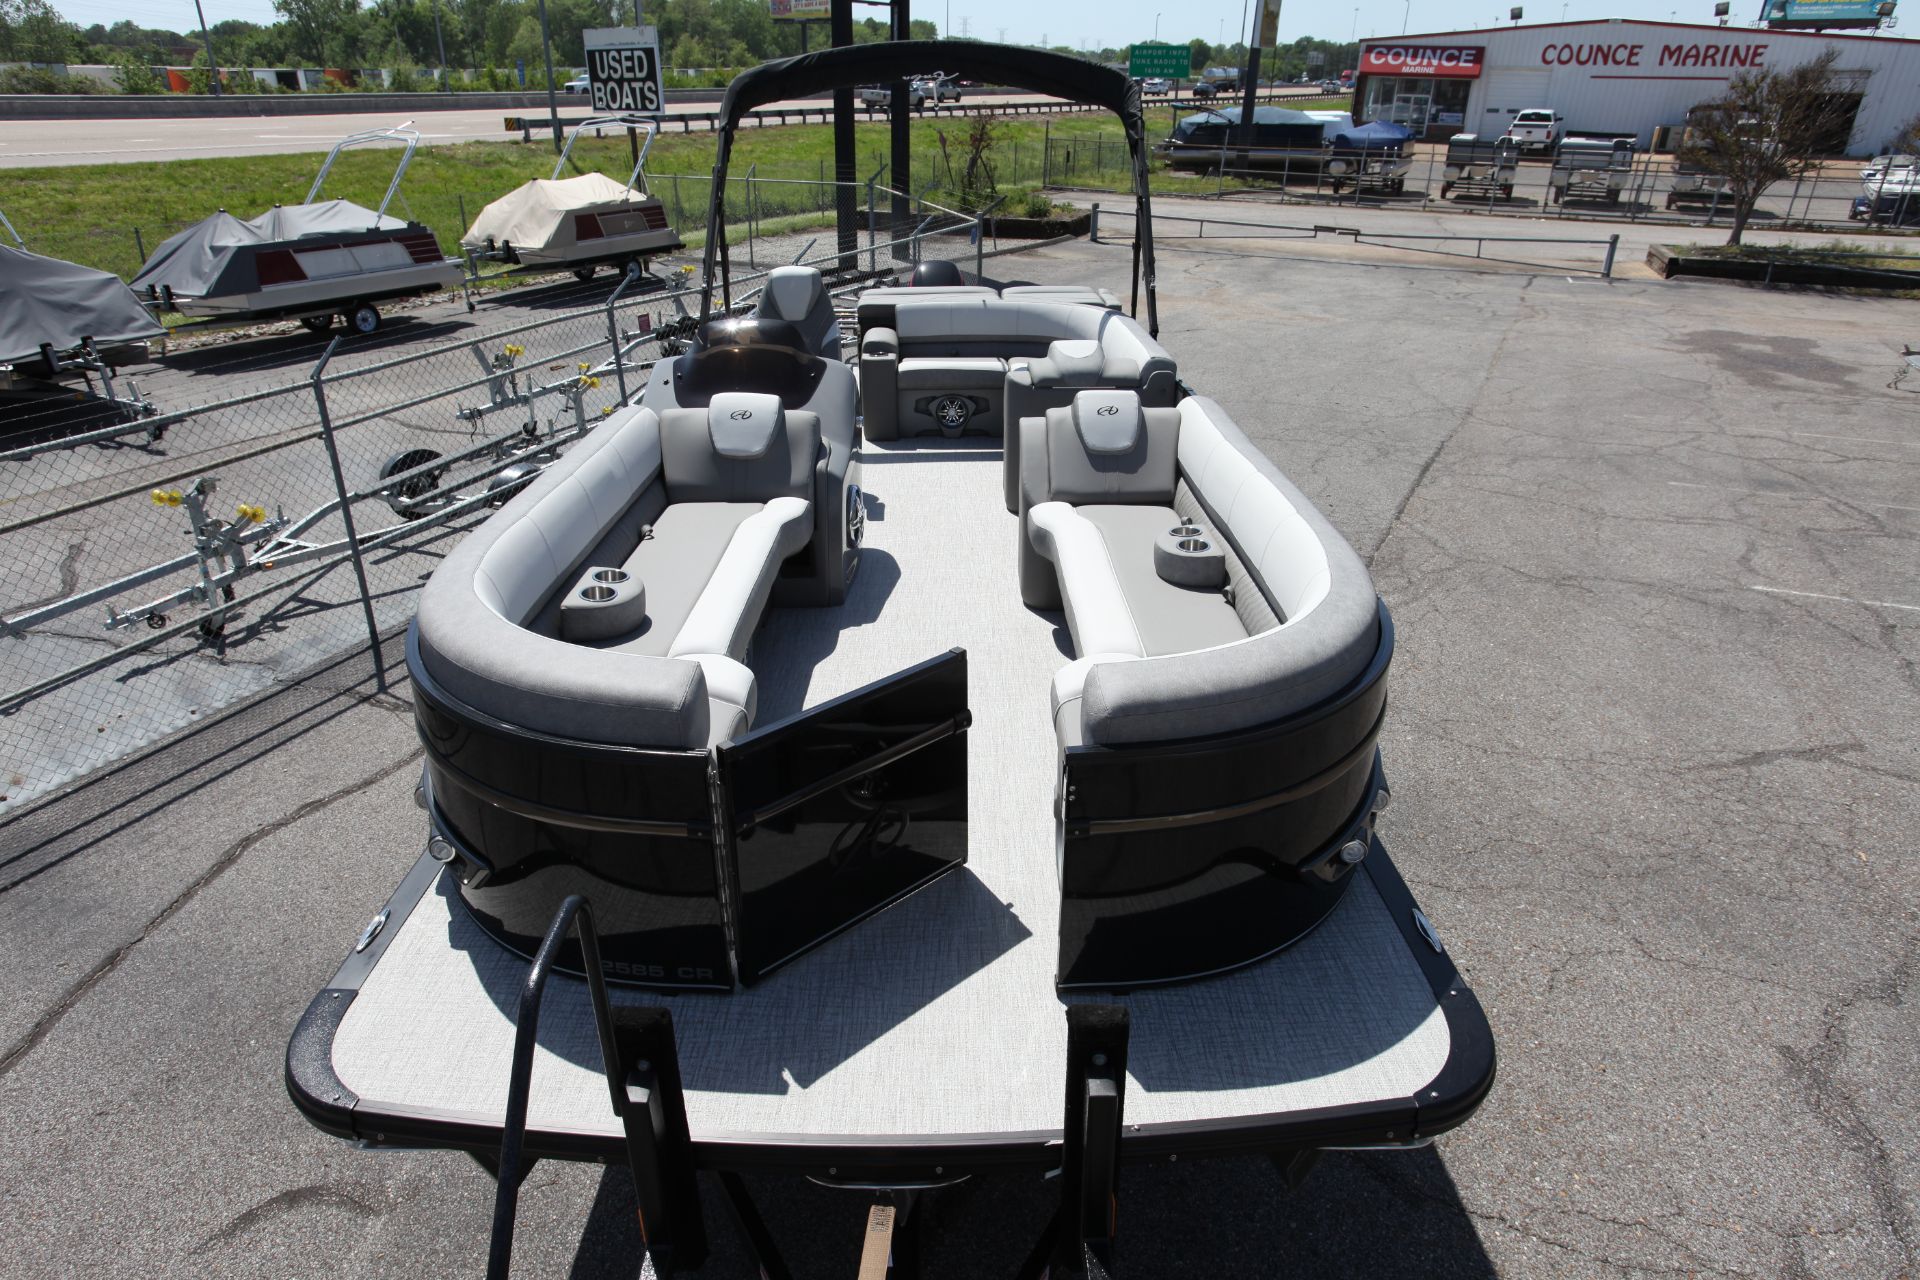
(31, 31)
(1769, 127)
(1199, 54)
(319, 30)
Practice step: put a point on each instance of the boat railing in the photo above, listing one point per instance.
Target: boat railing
(399, 133)
(637, 180)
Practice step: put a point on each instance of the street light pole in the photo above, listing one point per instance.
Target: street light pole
(213, 68)
(1156, 26)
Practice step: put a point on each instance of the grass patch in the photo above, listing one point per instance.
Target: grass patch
(110, 216)
(1837, 253)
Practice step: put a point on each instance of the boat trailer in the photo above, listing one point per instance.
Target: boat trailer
(1480, 166)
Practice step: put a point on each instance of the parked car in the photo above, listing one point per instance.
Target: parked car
(1536, 129)
(1155, 84)
(579, 84)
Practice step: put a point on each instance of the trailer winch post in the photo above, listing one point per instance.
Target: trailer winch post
(346, 513)
(1089, 1164)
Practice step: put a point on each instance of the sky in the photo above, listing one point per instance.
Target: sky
(1093, 23)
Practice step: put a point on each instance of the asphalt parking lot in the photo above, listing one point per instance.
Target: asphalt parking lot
(1650, 551)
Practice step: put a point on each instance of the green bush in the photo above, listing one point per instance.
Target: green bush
(135, 77)
(41, 80)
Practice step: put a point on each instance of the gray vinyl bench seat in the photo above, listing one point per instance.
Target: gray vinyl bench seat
(952, 372)
(1048, 343)
(698, 508)
(1290, 619)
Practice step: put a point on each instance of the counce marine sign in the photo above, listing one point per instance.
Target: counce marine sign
(1671, 55)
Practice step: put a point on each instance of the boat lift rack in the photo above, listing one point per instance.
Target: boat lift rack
(642, 1069)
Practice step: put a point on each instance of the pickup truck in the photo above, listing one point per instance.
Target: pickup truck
(1536, 129)
(879, 97)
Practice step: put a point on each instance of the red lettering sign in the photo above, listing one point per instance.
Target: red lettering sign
(1712, 55)
(1592, 55)
(1444, 61)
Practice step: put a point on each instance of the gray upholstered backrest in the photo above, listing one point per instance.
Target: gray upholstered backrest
(1332, 626)
(471, 638)
(1105, 448)
(1275, 541)
(875, 307)
(708, 455)
(798, 296)
(583, 496)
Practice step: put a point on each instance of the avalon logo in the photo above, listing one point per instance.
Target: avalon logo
(1107, 410)
(741, 415)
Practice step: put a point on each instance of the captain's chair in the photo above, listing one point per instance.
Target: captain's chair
(798, 296)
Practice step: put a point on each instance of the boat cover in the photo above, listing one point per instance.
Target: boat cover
(60, 303)
(532, 213)
(1381, 135)
(200, 262)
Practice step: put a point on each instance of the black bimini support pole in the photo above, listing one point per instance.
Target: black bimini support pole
(1090, 1162)
(643, 1081)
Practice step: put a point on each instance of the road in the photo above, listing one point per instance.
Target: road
(28, 144)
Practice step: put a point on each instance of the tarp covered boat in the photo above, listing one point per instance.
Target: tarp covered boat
(1282, 139)
(309, 261)
(577, 222)
(48, 303)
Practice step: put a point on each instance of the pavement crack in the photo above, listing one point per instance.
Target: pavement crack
(46, 1023)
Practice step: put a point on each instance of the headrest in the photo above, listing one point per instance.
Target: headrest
(790, 292)
(937, 274)
(743, 424)
(1075, 358)
(750, 331)
(1108, 421)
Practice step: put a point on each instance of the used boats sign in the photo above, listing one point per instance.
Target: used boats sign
(623, 69)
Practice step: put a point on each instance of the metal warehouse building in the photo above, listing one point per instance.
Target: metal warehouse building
(1618, 76)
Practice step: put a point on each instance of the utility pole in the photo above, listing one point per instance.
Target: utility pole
(846, 207)
(900, 171)
(553, 103)
(213, 68)
(1266, 28)
(446, 81)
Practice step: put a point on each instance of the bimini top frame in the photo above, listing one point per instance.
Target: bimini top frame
(1058, 75)
(636, 181)
(403, 132)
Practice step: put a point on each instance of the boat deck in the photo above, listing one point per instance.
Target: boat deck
(936, 1022)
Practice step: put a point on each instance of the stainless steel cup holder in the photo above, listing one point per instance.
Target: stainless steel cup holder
(1193, 544)
(1185, 531)
(610, 575)
(598, 593)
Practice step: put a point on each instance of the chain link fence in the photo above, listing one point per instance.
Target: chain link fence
(152, 572)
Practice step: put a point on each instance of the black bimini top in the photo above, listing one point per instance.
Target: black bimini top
(1034, 70)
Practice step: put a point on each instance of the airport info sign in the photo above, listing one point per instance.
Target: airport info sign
(1166, 61)
(623, 69)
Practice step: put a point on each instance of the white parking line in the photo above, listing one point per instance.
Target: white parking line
(1821, 595)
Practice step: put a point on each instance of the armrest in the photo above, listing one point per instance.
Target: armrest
(879, 341)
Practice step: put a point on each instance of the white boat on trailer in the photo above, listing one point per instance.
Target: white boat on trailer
(885, 742)
(580, 223)
(308, 262)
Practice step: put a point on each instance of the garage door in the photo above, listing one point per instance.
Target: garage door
(1509, 92)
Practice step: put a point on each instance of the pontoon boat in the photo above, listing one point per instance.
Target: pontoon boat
(308, 262)
(577, 223)
(897, 736)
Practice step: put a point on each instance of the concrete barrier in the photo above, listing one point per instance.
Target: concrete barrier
(116, 106)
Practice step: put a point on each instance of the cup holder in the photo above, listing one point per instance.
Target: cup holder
(1186, 557)
(605, 603)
